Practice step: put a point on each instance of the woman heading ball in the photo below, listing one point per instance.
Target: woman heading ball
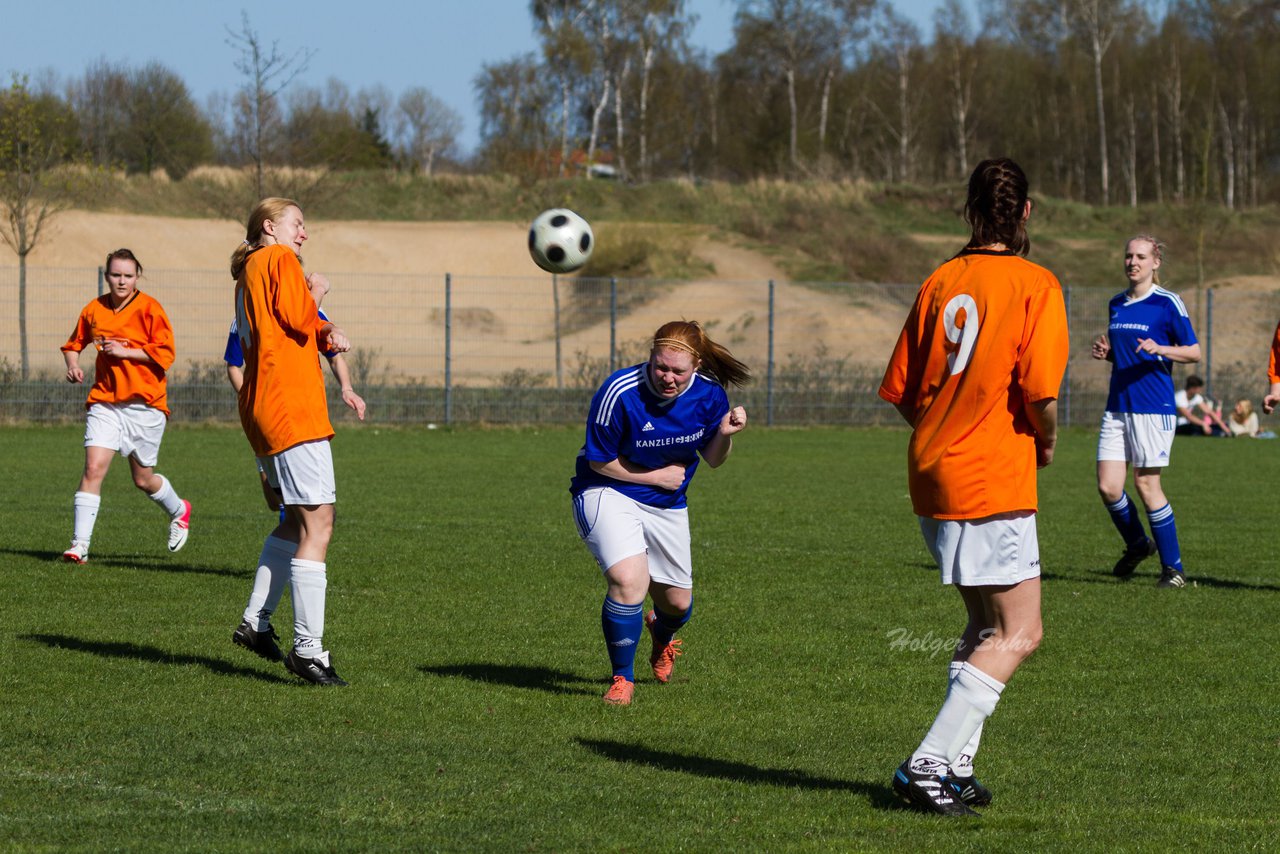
(646, 428)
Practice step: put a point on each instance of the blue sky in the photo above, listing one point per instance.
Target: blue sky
(397, 43)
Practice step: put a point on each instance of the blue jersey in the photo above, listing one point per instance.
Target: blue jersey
(234, 354)
(629, 418)
(1140, 381)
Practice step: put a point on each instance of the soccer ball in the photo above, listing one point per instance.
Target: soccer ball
(560, 241)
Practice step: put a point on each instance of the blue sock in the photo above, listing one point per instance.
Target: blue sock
(1125, 517)
(666, 626)
(282, 514)
(1165, 533)
(622, 625)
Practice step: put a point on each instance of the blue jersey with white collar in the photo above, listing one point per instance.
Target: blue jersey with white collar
(629, 418)
(1143, 382)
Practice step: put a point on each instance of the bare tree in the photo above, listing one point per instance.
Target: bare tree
(33, 189)
(560, 24)
(426, 128)
(267, 72)
(953, 38)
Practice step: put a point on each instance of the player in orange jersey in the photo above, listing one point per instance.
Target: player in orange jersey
(1272, 398)
(976, 373)
(127, 405)
(286, 418)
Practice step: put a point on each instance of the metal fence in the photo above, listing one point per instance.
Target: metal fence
(441, 348)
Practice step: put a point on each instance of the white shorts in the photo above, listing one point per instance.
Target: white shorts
(133, 429)
(1142, 438)
(303, 474)
(616, 527)
(998, 550)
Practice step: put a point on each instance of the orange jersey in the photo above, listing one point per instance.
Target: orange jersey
(1273, 368)
(987, 335)
(282, 401)
(140, 323)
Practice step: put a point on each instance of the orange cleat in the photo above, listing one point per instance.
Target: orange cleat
(663, 657)
(619, 693)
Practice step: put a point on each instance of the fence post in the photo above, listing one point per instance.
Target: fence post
(613, 324)
(1066, 377)
(101, 280)
(1208, 344)
(769, 380)
(448, 348)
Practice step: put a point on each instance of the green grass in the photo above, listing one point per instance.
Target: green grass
(466, 615)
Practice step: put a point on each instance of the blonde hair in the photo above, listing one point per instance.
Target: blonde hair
(1246, 407)
(271, 208)
(716, 360)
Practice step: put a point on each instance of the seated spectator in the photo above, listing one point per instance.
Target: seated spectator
(1243, 420)
(1197, 414)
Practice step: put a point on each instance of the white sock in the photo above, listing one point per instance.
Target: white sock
(86, 506)
(963, 766)
(308, 586)
(971, 698)
(268, 585)
(167, 498)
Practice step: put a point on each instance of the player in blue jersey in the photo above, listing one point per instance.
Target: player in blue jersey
(645, 430)
(1148, 331)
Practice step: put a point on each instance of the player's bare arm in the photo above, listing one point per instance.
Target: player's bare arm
(318, 284)
(76, 375)
(1185, 354)
(343, 375)
(121, 350)
(620, 468)
(1043, 415)
(718, 449)
(333, 338)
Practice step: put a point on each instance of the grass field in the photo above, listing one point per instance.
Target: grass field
(465, 613)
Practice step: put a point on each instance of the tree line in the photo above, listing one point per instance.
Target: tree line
(1105, 101)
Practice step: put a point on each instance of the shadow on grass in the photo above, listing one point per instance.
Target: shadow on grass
(878, 793)
(1104, 576)
(518, 676)
(123, 649)
(158, 563)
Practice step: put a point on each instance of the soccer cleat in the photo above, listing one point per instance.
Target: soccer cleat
(928, 792)
(78, 553)
(1133, 555)
(619, 693)
(180, 527)
(313, 670)
(969, 790)
(1170, 578)
(663, 657)
(259, 643)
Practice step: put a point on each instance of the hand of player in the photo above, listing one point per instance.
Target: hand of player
(669, 477)
(734, 421)
(355, 401)
(1101, 347)
(336, 341)
(1147, 345)
(318, 284)
(1269, 403)
(76, 375)
(115, 347)
(1044, 451)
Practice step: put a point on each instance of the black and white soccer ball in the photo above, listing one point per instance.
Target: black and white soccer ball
(560, 241)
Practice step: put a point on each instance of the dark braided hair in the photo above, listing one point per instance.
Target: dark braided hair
(995, 206)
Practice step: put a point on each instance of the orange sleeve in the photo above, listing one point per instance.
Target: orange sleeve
(1273, 369)
(292, 300)
(1045, 345)
(158, 337)
(82, 334)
